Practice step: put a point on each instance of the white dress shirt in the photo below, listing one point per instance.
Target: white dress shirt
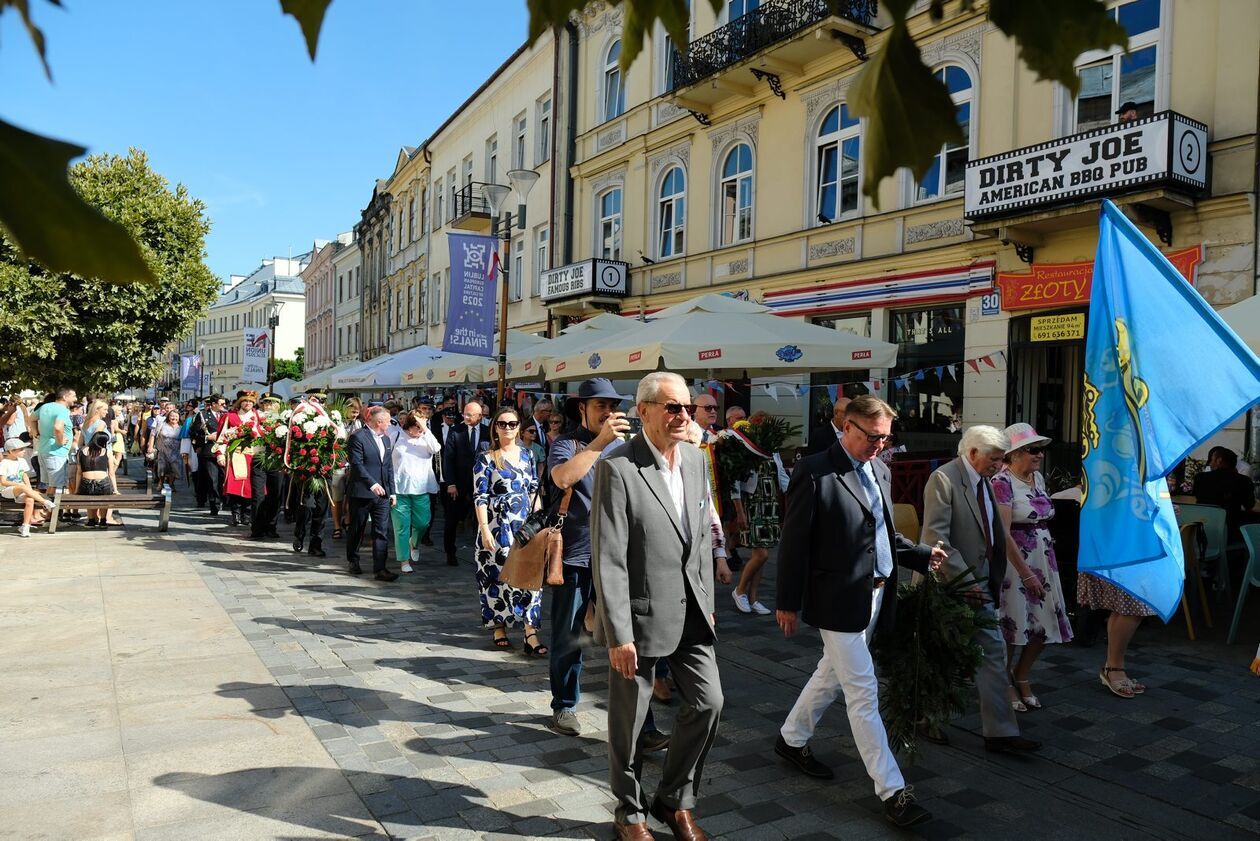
(380, 444)
(674, 482)
(413, 463)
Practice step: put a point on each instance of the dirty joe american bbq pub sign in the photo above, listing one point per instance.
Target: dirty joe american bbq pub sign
(1165, 149)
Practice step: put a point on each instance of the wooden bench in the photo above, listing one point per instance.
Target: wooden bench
(135, 502)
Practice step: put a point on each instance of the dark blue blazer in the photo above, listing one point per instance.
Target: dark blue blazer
(366, 466)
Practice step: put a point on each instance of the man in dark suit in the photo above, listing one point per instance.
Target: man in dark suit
(1225, 487)
(460, 448)
(370, 489)
(203, 433)
(838, 565)
(822, 437)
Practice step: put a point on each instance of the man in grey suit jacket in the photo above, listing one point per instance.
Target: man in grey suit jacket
(652, 563)
(960, 512)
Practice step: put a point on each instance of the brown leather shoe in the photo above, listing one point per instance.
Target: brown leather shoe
(633, 832)
(679, 821)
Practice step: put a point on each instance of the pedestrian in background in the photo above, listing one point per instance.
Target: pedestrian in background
(414, 482)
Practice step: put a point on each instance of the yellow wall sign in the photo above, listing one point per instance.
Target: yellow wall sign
(1057, 328)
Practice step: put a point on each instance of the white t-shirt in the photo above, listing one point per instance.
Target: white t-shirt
(13, 468)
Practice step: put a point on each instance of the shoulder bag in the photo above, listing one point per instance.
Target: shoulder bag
(536, 552)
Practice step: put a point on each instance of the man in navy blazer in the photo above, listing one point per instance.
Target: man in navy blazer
(370, 488)
(460, 448)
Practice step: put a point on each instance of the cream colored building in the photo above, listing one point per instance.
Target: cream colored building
(737, 169)
(348, 319)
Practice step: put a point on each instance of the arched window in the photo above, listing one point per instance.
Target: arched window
(735, 195)
(671, 213)
(614, 91)
(949, 168)
(609, 245)
(837, 156)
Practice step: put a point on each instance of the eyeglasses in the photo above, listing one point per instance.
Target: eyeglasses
(675, 408)
(1035, 451)
(874, 439)
(507, 424)
(708, 407)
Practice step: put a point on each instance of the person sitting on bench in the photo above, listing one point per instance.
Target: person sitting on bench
(15, 484)
(96, 475)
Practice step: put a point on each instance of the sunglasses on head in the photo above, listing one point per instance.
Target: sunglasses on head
(675, 408)
(507, 424)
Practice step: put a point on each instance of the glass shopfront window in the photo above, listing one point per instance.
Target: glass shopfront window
(930, 404)
(819, 397)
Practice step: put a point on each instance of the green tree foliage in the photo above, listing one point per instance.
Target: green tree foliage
(908, 111)
(291, 367)
(63, 329)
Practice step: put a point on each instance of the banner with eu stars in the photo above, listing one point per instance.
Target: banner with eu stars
(470, 308)
(1163, 373)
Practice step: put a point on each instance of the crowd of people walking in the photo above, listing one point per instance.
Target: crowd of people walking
(629, 482)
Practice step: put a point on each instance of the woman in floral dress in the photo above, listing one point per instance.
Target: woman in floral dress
(1032, 613)
(505, 481)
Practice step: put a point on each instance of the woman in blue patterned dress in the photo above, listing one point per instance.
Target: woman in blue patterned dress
(1032, 611)
(505, 480)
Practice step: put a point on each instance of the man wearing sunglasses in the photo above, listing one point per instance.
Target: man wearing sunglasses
(652, 564)
(838, 568)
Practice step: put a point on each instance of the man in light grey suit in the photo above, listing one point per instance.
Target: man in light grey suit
(960, 512)
(652, 563)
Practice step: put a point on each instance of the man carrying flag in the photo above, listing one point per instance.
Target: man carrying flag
(1147, 404)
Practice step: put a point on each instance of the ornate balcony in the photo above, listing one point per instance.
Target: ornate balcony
(777, 38)
(469, 210)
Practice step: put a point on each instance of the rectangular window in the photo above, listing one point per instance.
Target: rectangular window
(424, 299)
(1113, 78)
(492, 160)
(411, 304)
(517, 279)
(930, 409)
(518, 143)
(609, 245)
(424, 211)
(411, 220)
(468, 170)
(544, 132)
(542, 249)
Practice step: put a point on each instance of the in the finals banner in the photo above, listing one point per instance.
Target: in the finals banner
(470, 310)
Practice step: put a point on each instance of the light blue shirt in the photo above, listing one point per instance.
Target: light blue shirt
(875, 499)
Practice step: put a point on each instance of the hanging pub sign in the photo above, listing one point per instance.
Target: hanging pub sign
(1165, 149)
(1061, 284)
(588, 277)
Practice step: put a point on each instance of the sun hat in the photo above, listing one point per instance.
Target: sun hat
(1023, 435)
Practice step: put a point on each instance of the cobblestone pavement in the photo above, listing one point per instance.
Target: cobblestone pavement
(445, 737)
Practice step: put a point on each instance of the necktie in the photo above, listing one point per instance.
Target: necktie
(883, 549)
(984, 517)
(472, 436)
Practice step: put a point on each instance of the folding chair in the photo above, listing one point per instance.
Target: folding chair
(1251, 578)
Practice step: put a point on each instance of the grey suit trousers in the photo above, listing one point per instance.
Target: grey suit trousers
(695, 672)
(996, 716)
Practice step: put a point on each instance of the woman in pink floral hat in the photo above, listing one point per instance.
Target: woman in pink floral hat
(1032, 612)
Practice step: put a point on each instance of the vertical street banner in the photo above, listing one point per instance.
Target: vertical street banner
(190, 372)
(471, 303)
(256, 353)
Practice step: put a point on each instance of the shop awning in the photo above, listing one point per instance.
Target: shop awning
(448, 368)
(322, 379)
(527, 363)
(386, 371)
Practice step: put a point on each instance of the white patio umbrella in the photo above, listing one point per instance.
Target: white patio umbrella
(389, 369)
(719, 335)
(527, 363)
(323, 379)
(447, 368)
(1244, 319)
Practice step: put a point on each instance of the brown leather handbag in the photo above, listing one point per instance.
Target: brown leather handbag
(532, 557)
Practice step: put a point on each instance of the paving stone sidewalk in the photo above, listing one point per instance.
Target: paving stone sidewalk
(445, 737)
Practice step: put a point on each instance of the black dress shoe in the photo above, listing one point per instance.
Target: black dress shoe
(214, 510)
(803, 758)
(452, 561)
(1010, 744)
(236, 519)
(901, 810)
(930, 734)
(317, 552)
(272, 533)
(297, 546)
(653, 740)
(386, 575)
(355, 569)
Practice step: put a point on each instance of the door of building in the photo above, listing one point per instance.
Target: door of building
(1046, 385)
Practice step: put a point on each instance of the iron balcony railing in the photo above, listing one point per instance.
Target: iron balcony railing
(770, 23)
(469, 201)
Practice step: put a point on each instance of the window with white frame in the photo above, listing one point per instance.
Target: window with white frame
(411, 220)
(424, 211)
(468, 170)
(1111, 78)
(736, 9)
(411, 304)
(735, 196)
(609, 203)
(492, 159)
(671, 213)
(670, 51)
(837, 155)
(424, 299)
(399, 311)
(614, 91)
(544, 131)
(435, 315)
(518, 143)
(517, 280)
(438, 201)
(542, 249)
(948, 170)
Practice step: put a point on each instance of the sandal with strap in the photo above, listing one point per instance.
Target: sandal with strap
(336, 534)
(501, 641)
(539, 650)
(1024, 688)
(1120, 688)
(1016, 704)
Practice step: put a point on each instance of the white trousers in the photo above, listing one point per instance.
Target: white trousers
(846, 666)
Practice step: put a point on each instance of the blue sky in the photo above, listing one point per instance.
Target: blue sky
(225, 100)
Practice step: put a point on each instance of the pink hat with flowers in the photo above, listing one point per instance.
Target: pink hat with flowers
(1023, 435)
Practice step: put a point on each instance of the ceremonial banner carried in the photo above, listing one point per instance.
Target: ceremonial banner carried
(1147, 404)
(254, 358)
(190, 371)
(470, 311)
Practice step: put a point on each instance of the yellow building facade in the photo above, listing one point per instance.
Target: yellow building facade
(736, 168)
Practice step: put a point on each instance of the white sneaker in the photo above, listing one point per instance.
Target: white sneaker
(406, 566)
(760, 609)
(48, 505)
(741, 602)
(415, 555)
(24, 530)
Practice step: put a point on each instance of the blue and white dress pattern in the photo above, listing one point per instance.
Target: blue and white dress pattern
(505, 492)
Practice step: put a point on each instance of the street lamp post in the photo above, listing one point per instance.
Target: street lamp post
(273, 321)
(496, 195)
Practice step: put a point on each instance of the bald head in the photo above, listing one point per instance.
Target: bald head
(838, 410)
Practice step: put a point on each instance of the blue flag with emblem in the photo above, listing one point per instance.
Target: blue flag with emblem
(1162, 374)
